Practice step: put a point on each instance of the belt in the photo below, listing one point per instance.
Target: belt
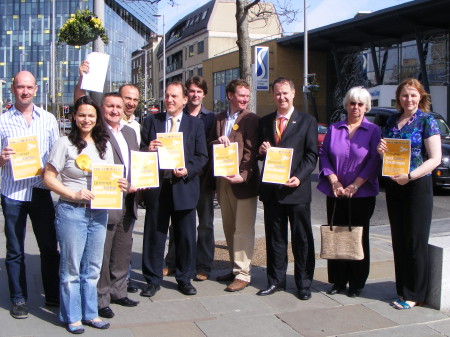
(77, 204)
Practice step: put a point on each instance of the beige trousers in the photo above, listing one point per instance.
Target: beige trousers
(238, 218)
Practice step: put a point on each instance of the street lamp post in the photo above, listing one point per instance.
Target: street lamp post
(164, 53)
(145, 77)
(1, 95)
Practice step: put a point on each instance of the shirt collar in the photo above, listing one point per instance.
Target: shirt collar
(288, 115)
(343, 124)
(234, 116)
(168, 116)
(130, 120)
(121, 125)
(13, 111)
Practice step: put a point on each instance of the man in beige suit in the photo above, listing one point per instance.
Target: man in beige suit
(237, 194)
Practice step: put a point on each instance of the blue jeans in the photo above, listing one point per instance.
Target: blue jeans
(42, 215)
(81, 235)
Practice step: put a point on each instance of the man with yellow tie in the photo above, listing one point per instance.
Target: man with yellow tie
(289, 128)
(175, 200)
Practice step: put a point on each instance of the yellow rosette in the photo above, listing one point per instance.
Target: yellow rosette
(84, 162)
(235, 127)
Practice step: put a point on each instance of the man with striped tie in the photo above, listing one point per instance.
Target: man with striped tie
(28, 197)
(289, 128)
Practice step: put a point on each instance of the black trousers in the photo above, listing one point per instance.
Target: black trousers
(157, 217)
(276, 218)
(355, 273)
(410, 210)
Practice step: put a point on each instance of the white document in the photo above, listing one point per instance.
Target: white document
(94, 80)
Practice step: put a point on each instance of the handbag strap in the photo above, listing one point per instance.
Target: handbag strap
(349, 214)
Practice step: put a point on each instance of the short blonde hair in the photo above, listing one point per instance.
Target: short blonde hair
(358, 94)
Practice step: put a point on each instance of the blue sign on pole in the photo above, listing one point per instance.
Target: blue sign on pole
(262, 68)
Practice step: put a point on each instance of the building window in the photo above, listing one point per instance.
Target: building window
(191, 73)
(191, 50)
(220, 81)
(204, 14)
(200, 71)
(200, 47)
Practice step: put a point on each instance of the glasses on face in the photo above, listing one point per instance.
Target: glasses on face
(359, 104)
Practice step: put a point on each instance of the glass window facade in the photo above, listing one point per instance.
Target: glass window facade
(26, 28)
(220, 81)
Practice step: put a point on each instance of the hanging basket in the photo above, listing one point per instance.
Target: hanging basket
(82, 28)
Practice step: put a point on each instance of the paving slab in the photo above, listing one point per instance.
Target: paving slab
(409, 316)
(249, 326)
(335, 321)
(400, 331)
(441, 326)
(236, 305)
(182, 329)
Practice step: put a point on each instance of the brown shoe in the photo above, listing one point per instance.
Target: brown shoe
(225, 278)
(237, 285)
(168, 271)
(201, 276)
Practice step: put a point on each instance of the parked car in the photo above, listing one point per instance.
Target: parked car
(321, 132)
(65, 124)
(441, 174)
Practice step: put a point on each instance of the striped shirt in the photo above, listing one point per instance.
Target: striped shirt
(13, 124)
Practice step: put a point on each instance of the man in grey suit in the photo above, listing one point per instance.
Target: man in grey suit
(112, 285)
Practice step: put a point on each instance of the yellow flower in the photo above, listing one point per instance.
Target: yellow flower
(84, 162)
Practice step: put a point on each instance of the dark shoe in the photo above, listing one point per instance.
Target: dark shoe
(125, 302)
(75, 329)
(131, 288)
(50, 303)
(237, 285)
(353, 292)
(201, 276)
(97, 324)
(226, 278)
(150, 290)
(168, 271)
(106, 312)
(187, 289)
(304, 294)
(19, 310)
(270, 290)
(336, 289)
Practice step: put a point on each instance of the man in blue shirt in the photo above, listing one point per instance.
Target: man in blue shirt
(20, 198)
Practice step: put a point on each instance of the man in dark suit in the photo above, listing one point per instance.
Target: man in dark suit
(112, 285)
(289, 128)
(176, 197)
(197, 90)
(238, 194)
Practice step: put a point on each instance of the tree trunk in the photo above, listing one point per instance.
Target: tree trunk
(243, 42)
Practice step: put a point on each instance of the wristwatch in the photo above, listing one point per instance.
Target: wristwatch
(355, 187)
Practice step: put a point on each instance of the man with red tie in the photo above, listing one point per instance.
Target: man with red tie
(289, 128)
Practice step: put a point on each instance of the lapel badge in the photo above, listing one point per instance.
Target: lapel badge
(235, 127)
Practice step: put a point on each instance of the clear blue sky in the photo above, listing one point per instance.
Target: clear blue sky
(319, 12)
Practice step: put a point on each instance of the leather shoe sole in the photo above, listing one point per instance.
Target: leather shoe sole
(187, 289)
(270, 290)
(150, 290)
(304, 295)
(201, 276)
(237, 285)
(106, 312)
(125, 302)
(168, 271)
(226, 277)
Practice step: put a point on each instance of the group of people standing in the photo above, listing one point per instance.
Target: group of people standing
(92, 269)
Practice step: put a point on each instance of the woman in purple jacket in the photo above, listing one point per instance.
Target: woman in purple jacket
(349, 167)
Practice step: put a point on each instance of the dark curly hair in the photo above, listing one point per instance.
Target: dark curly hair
(99, 132)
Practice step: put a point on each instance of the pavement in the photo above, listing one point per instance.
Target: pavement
(216, 313)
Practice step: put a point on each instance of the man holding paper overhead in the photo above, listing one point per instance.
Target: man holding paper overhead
(28, 197)
(289, 128)
(238, 194)
(176, 197)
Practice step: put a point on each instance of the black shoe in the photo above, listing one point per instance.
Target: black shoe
(187, 289)
(125, 302)
(336, 289)
(106, 312)
(51, 303)
(270, 290)
(131, 288)
(19, 310)
(150, 290)
(304, 294)
(353, 292)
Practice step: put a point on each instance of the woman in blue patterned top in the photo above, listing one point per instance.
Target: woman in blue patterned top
(409, 197)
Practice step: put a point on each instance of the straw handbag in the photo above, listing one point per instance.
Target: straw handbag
(341, 242)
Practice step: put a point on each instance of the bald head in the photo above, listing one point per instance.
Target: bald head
(24, 74)
(24, 88)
